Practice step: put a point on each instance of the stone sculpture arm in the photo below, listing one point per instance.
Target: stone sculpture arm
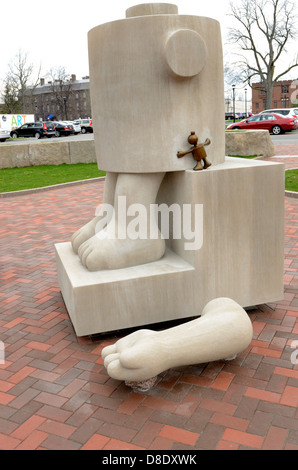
(223, 330)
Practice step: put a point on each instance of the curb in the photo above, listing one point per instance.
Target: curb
(291, 194)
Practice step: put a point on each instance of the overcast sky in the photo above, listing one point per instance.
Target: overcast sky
(55, 33)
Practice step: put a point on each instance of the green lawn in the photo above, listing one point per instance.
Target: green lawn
(17, 179)
(292, 180)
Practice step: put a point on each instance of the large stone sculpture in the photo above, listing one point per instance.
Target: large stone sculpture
(156, 77)
(223, 331)
(151, 78)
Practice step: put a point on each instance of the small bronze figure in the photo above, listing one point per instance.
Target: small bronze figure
(198, 151)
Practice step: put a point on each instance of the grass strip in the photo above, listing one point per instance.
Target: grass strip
(291, 183)
(18, 179)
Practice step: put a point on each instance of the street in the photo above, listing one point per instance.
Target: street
(286, 139)
(282, 139)
(30, 140)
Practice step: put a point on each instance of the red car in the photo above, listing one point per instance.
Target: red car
(274, 123)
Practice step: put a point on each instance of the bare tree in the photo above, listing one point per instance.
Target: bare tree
(20, 81)
(61, 89)
(265, 28)
(11, 103)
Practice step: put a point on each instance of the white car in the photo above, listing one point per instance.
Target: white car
(4, 135)
(86, 125)
(76, 126)
(286, 112)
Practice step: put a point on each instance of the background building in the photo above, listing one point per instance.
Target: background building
(285, 94)
(59, 99)
(240, 106)
(238, 99)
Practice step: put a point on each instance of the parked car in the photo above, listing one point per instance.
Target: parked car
(274, 123)
(288, 112)
(63, 128)
(4, 135)
(34, 129)
(77, 127)
(229, 116)
(86, 125)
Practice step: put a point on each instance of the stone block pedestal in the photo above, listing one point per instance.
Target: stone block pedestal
(241, 256)
(123, 298)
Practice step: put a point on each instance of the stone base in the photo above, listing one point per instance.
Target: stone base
(241, 256)
(117, 299)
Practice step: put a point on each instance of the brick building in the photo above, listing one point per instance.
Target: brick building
(62, 100)
(285, 95)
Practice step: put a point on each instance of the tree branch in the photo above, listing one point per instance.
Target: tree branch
(285, 72)
(272, 19)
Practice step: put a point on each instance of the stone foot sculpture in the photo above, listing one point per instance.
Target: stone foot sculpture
(89, 230)
(223, 330)
(115, 246)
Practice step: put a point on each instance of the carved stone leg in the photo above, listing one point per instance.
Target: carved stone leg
(223, 330)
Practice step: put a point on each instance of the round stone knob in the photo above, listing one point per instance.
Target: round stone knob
(186, 53)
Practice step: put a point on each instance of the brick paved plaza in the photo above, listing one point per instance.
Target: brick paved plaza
(55, 392)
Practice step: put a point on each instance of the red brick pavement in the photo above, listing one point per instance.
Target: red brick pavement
(289, 149)
(286, 154)
(289, 161)
(55, 393)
